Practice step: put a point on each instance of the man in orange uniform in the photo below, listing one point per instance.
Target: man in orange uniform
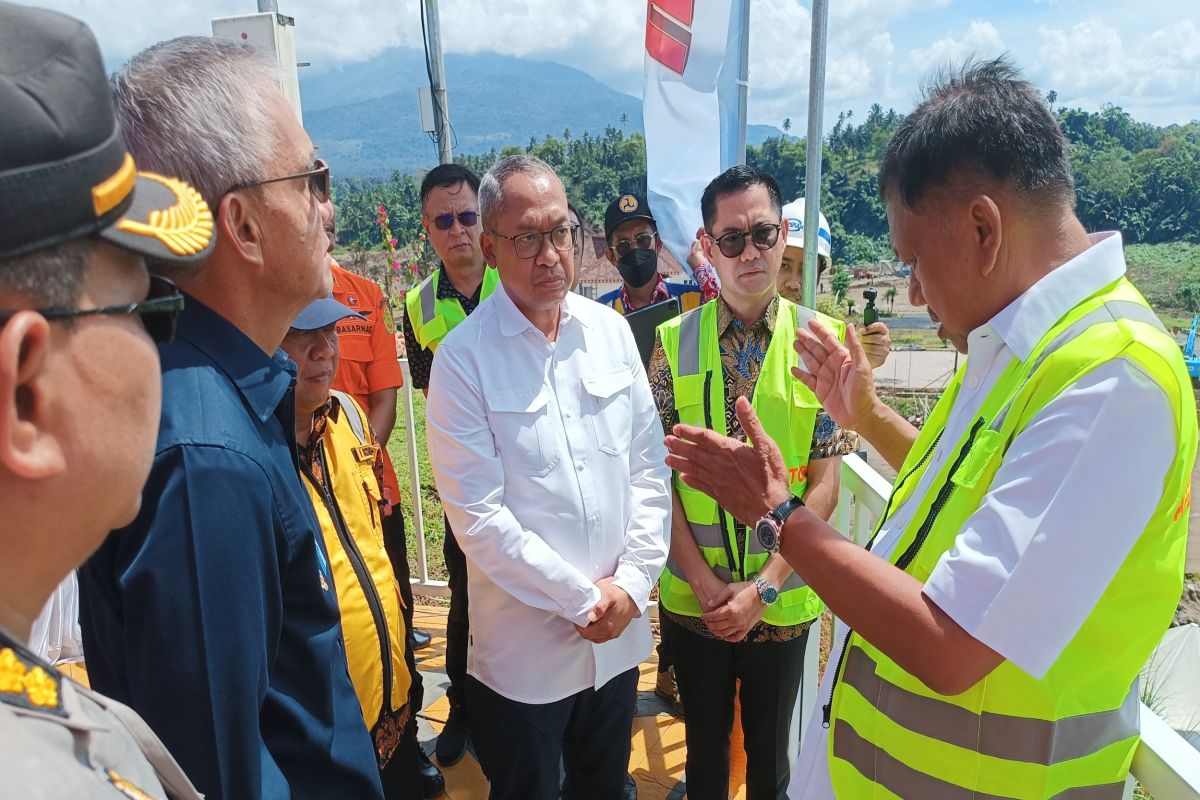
(369, 371)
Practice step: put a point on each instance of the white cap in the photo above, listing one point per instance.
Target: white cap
(794, 213)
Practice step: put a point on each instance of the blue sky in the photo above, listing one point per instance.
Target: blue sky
(1142, 56)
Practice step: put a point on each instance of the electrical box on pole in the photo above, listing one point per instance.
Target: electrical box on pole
(425, 109)
(273, 33)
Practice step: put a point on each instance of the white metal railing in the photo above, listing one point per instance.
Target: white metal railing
(1165, 764)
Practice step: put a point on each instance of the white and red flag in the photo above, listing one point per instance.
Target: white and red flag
(690, 108)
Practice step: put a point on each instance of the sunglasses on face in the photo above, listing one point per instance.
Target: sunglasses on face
(643, 241)
(159, 311)
(733, 243)
(444, 222)
(318, 180)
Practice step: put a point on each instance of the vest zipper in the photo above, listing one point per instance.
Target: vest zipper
(943, 496)
(734, 566)
(368, 585)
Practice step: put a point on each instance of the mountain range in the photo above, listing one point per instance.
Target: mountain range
(364, 117)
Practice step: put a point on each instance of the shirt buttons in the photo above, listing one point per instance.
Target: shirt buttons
(973, 381)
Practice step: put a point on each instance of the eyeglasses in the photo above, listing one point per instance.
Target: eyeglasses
(159, 311)
(444, 222)
(643, 241)
(529, 244)
(733, 243)
(318, 181)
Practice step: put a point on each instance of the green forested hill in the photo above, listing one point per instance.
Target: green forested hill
(1141, 179)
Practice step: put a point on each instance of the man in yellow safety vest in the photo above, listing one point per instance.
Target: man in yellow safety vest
(1016, 582)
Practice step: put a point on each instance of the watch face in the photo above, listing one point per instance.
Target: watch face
(769, 594)
(767, 534)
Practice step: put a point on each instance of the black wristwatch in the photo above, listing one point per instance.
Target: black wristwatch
(769, 529)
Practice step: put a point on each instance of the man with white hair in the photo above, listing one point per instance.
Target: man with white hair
(545, 442)
(214, 613)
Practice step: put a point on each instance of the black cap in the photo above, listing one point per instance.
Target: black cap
(623, 209)
(65, 172)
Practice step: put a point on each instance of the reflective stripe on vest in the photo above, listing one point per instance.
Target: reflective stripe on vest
(432, 318)
(788, 411)
(1072, 733)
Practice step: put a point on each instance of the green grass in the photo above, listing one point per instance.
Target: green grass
(1169, 276)
(431, 504)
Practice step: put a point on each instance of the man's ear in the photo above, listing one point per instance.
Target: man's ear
(708, 245)
(238, 224)
(610, 255)
(425, 224)
(29, 447)
(987, 232)
(487, 243)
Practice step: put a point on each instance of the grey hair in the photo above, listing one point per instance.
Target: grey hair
(195, 108)
(491, 188)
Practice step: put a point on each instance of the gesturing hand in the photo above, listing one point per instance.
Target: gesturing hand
(747, 480)
(609, 618)
(839, 375)
(739, 611)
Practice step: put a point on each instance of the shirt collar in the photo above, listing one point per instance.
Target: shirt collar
(262, 380)
(1024, 321)
(726, 317)
(514, 322)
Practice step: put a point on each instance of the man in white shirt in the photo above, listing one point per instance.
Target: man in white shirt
(1032, 551)
(545, 442)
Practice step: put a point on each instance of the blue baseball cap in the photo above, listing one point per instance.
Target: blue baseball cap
(322, 313)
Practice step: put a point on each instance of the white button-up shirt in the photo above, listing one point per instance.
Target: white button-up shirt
(550, 464)
(1075, 490)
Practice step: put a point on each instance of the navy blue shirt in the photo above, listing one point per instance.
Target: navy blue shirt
(214, 614)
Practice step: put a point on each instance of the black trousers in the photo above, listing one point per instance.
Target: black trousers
(458, 624)
(666, 656)
(707, 671)
(402, 776)
(520, 745)
(395, 544)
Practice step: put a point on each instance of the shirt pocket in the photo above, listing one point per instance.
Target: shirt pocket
(607, 402)
(522, 428)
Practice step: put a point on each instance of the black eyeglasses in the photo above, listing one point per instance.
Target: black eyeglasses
(444, 222)
(318, 180)
(159, 311)
(733, 243)
(529, 244)
(643, 241)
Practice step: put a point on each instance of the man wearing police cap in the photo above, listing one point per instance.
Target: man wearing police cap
(79, 318)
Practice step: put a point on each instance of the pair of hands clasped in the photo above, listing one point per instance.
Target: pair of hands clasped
(609, 618)
(749, 479)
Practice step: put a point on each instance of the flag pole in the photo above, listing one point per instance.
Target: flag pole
(743, 77)
(812, 167)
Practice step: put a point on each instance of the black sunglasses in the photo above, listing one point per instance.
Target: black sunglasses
(444, 222)
(643, 241)
(159, 311)
(318, 180)
(733, 243)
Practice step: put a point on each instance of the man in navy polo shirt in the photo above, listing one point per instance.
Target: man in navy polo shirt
(214, 614)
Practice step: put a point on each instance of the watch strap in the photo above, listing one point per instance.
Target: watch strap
(781, 512)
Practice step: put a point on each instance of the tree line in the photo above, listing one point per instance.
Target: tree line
(1139, 178)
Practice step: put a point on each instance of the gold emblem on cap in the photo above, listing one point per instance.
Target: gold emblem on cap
(125, 787)
(628, 203)
(185, 228)
(112, 190)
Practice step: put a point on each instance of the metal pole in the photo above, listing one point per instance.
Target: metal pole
(812, 167)
(743, 79)
(437, 72)
(271, 6)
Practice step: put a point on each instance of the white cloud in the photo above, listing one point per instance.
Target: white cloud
(1147, 73)
(1145, 58)
(982, 39)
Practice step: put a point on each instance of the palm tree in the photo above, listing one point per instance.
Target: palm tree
(890, 296)
(787, 124)
(624, 119)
